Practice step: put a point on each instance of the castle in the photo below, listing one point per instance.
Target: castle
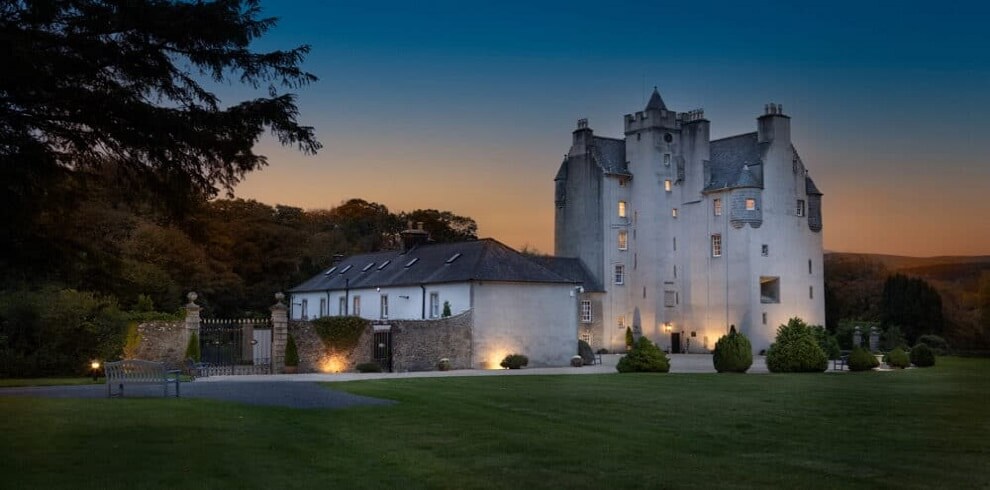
(687, 236)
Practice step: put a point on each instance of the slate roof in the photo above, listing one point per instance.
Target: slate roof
(656, 102)
(570, 268)
(479, 260)
(729, 156)
(810, 188)
(610, 154)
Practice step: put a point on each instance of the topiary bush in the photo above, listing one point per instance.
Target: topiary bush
(644, 357)
(733, 353)
(291, 352)
(192, 348)
(630, 341)
(587, 355)
(861, 359)
(898, 358)
(514, 361)
(922, 356)
(796, 350)
(937, 344)
(368, 367)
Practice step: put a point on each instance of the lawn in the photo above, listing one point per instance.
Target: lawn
(911, 429)
(20, 382)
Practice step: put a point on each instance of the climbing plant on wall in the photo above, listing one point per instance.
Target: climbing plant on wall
(340, 333)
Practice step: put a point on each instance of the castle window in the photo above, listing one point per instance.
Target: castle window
(675, 272)
(811, 292)
(666, 159)
(769, 289)
(620, 274)
(669, 299)
(675, 244)
(750, 204)
(717, 206)
(716, 245)
(667, 185)
(621, 321)
(673, 212)
(623, 240)
(622, 209)
(765, 250)
(800, 207)
(586, 311)
(764, 318)
(809, 266)
(638, 136)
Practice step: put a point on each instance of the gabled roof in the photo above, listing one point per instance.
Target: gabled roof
(729, 157)
(479, 260)
(656, 102)
(570, 268)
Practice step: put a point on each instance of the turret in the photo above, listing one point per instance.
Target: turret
(774, 125)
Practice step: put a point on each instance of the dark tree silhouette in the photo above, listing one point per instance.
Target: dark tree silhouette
(913, 305)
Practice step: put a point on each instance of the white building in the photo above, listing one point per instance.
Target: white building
(689, 235)
(518, 306)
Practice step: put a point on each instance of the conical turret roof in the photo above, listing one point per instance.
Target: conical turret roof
(656, 102)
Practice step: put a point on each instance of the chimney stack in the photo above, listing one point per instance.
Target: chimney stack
(414, 237)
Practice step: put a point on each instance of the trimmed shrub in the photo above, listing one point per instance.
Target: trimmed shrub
(192, 348)
(584, 350)
(444, 364)
(733, 353)
(922, 356)
(796, 350)
(368, 367)
(898, 358)
(644, 357)
(446, 309)
(861, 359)
(340, 333)
(291, 353)
(514, 361)
(577, 361)
(630, 341)
(937, 344)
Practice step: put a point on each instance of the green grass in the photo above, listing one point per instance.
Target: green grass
(20, 382)
(912, 429)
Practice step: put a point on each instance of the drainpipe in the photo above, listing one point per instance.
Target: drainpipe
(328, 302)
(423, 287)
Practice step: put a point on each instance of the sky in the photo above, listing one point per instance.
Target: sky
(469, 107)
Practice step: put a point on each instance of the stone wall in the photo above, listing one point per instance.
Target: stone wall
(163, 342)
(418, 345)
(314, 357)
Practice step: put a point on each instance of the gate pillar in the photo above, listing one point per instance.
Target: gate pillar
(280, 333)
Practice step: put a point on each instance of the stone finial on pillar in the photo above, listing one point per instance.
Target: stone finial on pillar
(874, 339)
(857, 338)
(192, 313)
(280, 333)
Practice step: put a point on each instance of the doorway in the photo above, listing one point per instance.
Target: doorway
(675, 342)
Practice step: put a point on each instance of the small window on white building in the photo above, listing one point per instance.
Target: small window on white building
(811, 292)
(384, 309)
(620, 274)
(800, 207)
(716, 245)
(769, 289)
(764, 318)
(357, 306)
(675, 272)
(717, 206)
(305, 309)
(765, 250)
(669, 299)
(586, 311)
(323, 307)
(667, 185)
(675, 244)
(342, 306)
(623, 240)
(809, 266)
(673, 212)
(750, 204)
(622, 209)
(434, 305)
(666, 159)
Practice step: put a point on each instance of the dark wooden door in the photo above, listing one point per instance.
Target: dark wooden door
(675, 342)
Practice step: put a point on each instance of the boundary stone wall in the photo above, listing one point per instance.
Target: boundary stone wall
(418, 345)
(162, 342)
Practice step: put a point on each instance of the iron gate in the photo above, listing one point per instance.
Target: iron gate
(382, 349)
(236, 346)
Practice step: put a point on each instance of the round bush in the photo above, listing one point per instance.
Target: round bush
(733, 353)
(922, 356)
(584, 350)
(898, 358)
(937, 344)
(861, 359)
(796, 350)
(514, 361)
(644, 357)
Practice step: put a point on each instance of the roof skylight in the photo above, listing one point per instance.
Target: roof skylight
(411, 262)
(331, 270)
(387, 262)
(345, 269)
(370, 264)
(454, 257)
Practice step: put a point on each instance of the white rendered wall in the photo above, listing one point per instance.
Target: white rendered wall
(404, 303)
(535, 319)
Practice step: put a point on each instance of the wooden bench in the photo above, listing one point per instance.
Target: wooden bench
(136, 371)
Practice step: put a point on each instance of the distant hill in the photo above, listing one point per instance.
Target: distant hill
(900, 262)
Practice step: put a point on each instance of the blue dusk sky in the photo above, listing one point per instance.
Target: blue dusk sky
(469, 107)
